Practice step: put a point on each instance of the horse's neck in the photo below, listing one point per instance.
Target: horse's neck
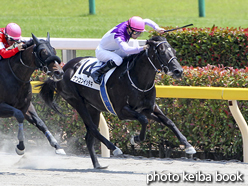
(143, 74)
(25, 70)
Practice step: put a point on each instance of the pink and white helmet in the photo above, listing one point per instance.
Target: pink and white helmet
(13, 31)
(137, 24)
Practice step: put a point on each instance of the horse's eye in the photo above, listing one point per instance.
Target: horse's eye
(54, 51)
(162, 52)
(43, 53)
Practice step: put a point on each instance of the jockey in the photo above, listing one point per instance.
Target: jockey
(9, 40)
(114, 46)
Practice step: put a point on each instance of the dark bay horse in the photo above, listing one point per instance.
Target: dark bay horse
(16, 90)
(130, 88)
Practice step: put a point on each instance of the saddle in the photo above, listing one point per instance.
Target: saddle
(87, 66)
(82, 77)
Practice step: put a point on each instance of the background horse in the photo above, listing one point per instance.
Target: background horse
(16, 90)
(130, 89)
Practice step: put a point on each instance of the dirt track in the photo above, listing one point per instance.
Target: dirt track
(36, 168)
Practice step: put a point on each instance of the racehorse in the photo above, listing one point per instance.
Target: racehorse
(16, 90)
(130, 89)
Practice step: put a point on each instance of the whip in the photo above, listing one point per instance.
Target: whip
(178, 28)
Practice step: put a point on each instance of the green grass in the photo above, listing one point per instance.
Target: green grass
(71, 19)
(68, 18)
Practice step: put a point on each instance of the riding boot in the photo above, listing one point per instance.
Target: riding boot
(102, 70)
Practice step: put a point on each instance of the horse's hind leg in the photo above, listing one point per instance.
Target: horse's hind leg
(32, 117)
(91, 116)
(9, 111)
(161, 118)
(90, 141)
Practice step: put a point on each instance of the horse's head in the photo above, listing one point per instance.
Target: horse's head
(164, 56)
(46, 58)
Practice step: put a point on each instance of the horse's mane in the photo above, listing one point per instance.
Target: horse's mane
(28, 43)
(132, 57)
(158, 38)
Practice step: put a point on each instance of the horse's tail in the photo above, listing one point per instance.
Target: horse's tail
(47, 93)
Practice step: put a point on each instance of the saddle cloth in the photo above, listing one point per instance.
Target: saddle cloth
(82, 77)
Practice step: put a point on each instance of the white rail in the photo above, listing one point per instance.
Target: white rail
(69, 46)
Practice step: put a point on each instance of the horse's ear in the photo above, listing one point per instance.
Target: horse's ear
(150, 42)
(36, 40)
(48, 37)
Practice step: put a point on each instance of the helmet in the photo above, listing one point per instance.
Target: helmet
(13, 31)
(137, 24)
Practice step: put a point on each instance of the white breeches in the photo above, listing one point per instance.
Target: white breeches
(105, 55)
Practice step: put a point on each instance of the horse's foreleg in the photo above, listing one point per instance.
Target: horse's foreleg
(32, 117)
(9, 111)
(131, 114)
(161, 118)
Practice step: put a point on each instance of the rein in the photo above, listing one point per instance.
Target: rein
(15, 75)
(21, 61)
(34, 68)
(132, 83)
(151, 62)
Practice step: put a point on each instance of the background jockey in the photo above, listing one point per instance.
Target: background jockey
(9, 37)
(114, 44)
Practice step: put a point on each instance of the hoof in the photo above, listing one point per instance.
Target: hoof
(60, 152)
(100, 167)
(190, 150)
(132, 140)
(19, 152)
(117, 152)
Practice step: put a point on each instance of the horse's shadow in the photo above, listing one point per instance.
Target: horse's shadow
(53, 163)
(87, 171)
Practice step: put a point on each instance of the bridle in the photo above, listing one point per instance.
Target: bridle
(43, 64)
(155, 68)
(159, 58)
(40, 64)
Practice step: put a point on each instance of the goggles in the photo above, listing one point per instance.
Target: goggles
(136, 33)
(10, 38)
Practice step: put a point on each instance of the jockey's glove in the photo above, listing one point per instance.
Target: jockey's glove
(145, 47)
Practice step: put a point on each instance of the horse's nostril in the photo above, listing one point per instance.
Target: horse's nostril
(178, 73)
(58, 74)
